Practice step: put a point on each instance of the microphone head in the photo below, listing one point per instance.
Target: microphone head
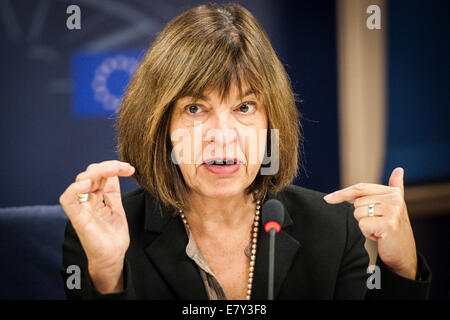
(273, 210)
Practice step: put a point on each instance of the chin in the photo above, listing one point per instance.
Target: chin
(223, 189)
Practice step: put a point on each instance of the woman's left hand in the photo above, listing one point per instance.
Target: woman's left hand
(390, 226)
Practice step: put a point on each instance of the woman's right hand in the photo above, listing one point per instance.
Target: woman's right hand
(100, 222)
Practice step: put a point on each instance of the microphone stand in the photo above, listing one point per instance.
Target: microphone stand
(273, 218)
(272, 233)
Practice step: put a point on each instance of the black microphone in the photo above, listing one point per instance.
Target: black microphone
(272, 218)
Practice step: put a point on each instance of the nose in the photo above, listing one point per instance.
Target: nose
(221, 129)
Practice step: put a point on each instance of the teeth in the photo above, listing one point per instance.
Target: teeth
(220, 162)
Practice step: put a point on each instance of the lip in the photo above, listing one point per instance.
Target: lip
(222, 169)
(225, 159)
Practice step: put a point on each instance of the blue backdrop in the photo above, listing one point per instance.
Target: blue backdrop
(60, 86)
(419, 90)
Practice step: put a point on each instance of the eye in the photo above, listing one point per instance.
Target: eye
(193, 109)
(247, 108)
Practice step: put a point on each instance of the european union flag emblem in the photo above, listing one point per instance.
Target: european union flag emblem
(100, 80)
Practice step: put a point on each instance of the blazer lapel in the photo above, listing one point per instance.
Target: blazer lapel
(168, 253)
(286, 249)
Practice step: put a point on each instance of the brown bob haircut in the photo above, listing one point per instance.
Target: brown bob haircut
(209, 46)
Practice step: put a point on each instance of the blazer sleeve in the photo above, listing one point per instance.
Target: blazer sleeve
(353, 274)
(394, 286)
(73, 255)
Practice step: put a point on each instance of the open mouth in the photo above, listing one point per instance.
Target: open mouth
(222, 167)
(222, 162)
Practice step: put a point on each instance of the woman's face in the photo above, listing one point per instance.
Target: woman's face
(219, 146)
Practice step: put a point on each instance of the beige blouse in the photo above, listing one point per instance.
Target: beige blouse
(212, 286)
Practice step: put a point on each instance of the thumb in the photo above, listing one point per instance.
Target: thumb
(111, 193)
(396, 179)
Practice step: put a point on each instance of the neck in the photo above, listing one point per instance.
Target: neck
(210, 215)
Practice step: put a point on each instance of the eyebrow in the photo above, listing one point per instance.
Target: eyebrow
(246, 94)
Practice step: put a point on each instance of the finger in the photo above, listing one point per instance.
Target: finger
(107, 164)
(98, 172)
(372, 227)
(393, 199)
(69, 196)
(107, 167)
(396, 179)
(109, 197)
(102, 206)
(112, 195)
(95, 201)
(114, 202)
(358, 190)
(363, 212)
(112, 185)
(69, 199)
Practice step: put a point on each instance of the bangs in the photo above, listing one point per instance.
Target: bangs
(219, 69)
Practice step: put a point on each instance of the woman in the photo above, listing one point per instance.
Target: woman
(209, 129)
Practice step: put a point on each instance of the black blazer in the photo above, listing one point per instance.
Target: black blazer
(320, 254)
